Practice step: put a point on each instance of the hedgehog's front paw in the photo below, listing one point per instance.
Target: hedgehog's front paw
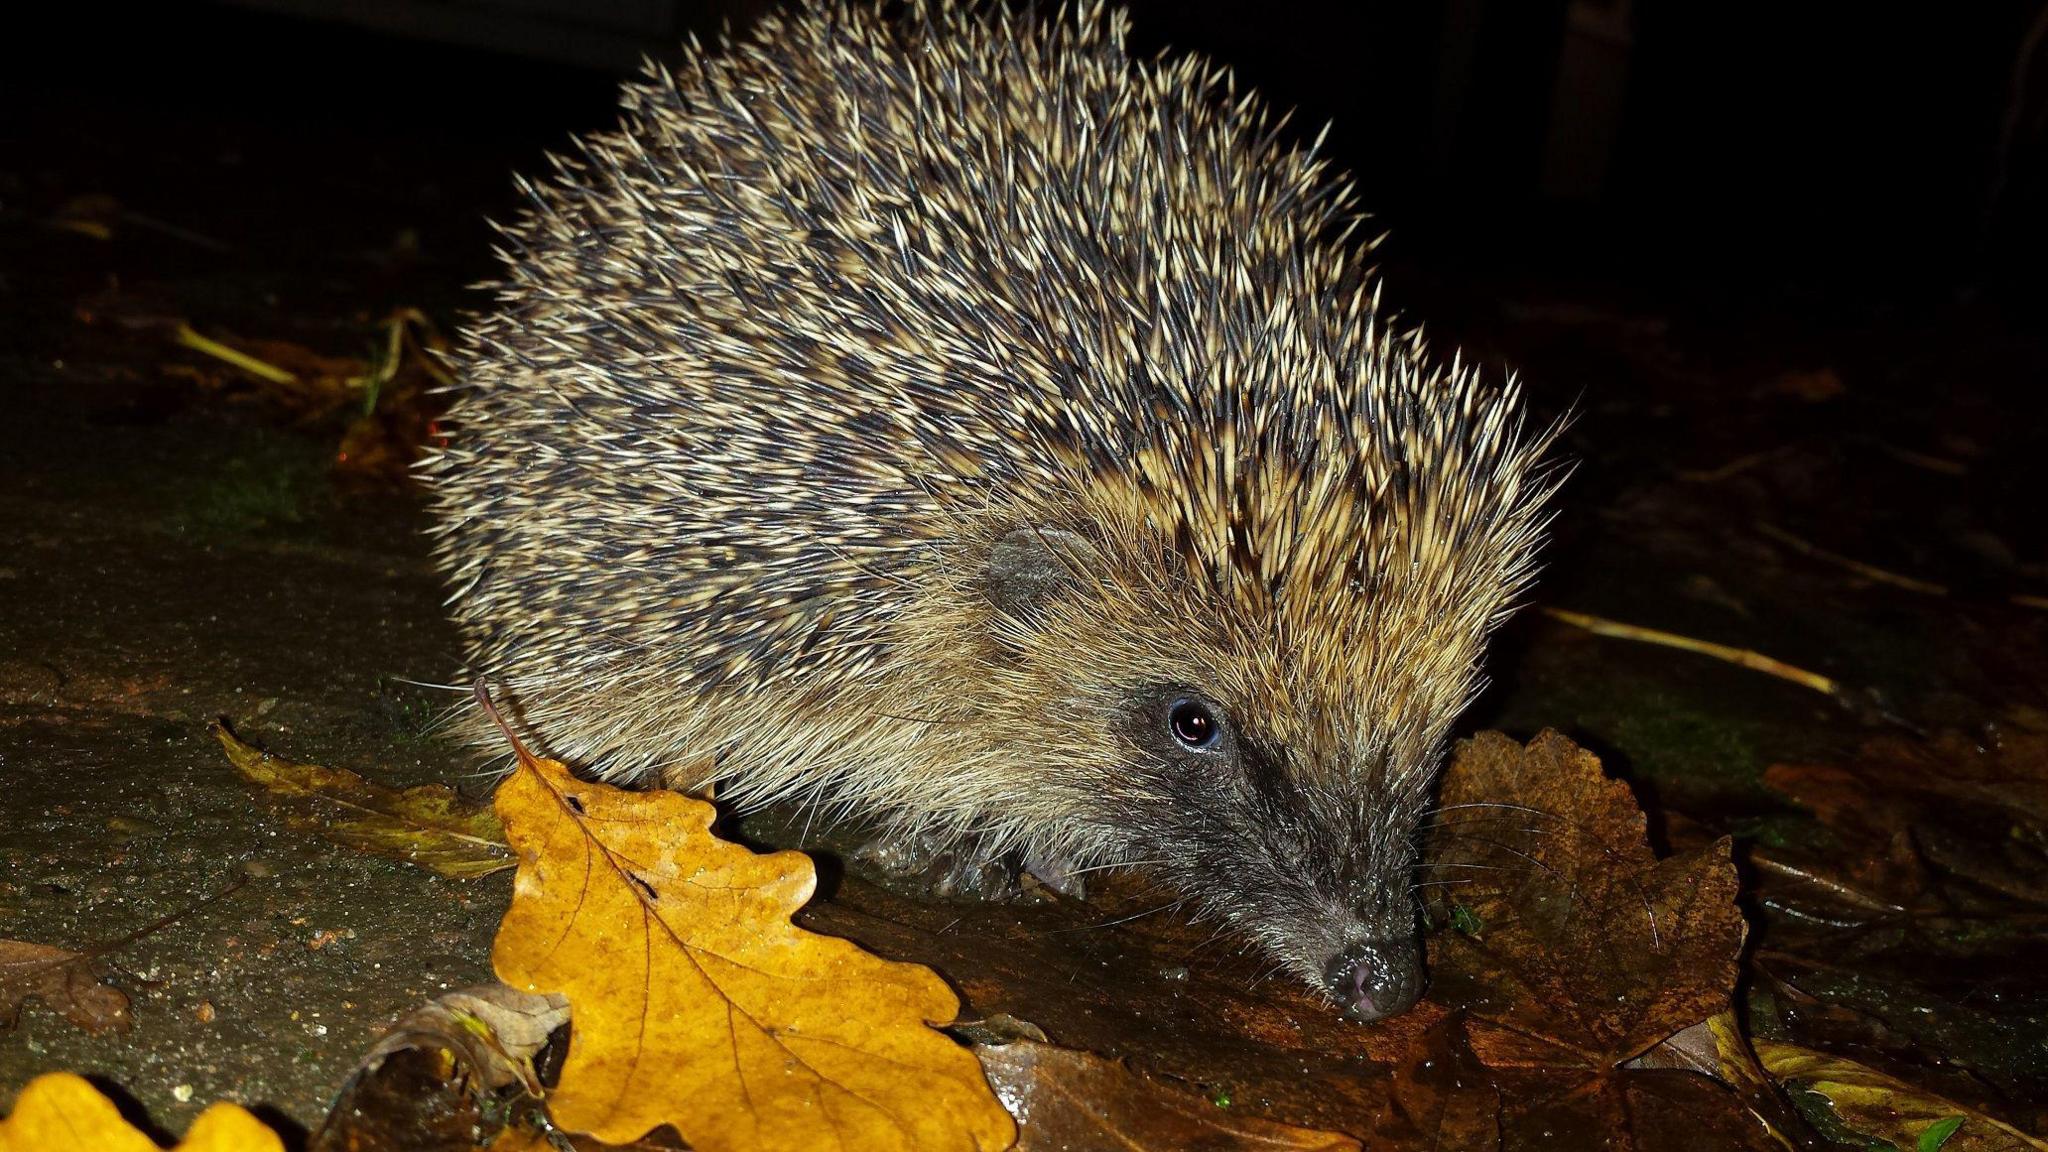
(1056, 873)
(952, 868)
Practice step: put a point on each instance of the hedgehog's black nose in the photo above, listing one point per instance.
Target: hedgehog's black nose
(1376, 979)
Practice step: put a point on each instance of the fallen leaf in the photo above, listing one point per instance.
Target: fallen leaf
(531, 1138)
(429, 825)
(1912, 812)
(1882, 1108)
(1718, 1048)
(427, 1084)
(1903, 923)
(696, 1003)
(1881, 874)
(389, 398)
(495, 1030)
(1594, 950)
(1446, 1099)
(62, 979)
(62, 1112)
(1125, 975)
(1443, 1097)
(1589, 953)
(1066, 1099)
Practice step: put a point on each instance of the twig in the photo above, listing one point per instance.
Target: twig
(262, 369)
(1924, 460)
(1873, 572)
(1733, 467)
(427, 341)
(1867, 571)
(2017, 91)
(1742, 657)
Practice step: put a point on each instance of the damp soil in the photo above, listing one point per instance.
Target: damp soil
(175, 553)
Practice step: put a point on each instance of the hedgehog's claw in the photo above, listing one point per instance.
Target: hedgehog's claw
(1056, 874)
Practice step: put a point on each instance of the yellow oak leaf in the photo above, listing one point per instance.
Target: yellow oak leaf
(695, 1002)
(1878, 1106)
(62, 1112)
(428, 825)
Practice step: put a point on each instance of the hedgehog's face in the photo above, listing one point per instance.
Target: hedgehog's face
(1280, 824)
(1274, 776)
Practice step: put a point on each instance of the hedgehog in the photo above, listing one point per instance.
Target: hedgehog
(940, 416)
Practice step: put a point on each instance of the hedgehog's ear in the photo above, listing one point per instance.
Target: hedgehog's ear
(1031, 566)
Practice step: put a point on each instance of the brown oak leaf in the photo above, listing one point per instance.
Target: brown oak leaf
(1590, 949)
(62, 979)
(1069, 1099)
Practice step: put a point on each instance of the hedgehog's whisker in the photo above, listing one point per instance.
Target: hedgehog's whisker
(1114, 864)
(1168, 906)
(1515, 852)
(1443, 808)
(465, 689)
(1452, 829)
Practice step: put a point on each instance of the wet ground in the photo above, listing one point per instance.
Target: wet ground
(180, 549)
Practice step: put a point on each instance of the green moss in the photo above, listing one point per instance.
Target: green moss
(1467, 921)
(1783, 830)
(1684, 741)
(271, 483)
(1675, 743)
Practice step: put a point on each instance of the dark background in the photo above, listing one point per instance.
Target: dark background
(1653, 210)
(1878, 148)
(1659, 212)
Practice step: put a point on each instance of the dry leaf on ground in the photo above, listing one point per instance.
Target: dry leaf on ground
(1064, 1099)
(62, 979)
(1442, 1097)
(494, 1031)
(1582, 948)
(61, 1112)
(431, 1080)
(430, 825)
(1879, 1107)
(1905, 920)
(527, 1138)
(1125, 976)
(1572, 951)
(696, 1003)
(1910, 814)
(390, 398)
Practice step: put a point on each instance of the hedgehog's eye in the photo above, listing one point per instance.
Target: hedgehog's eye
(1193, 725)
